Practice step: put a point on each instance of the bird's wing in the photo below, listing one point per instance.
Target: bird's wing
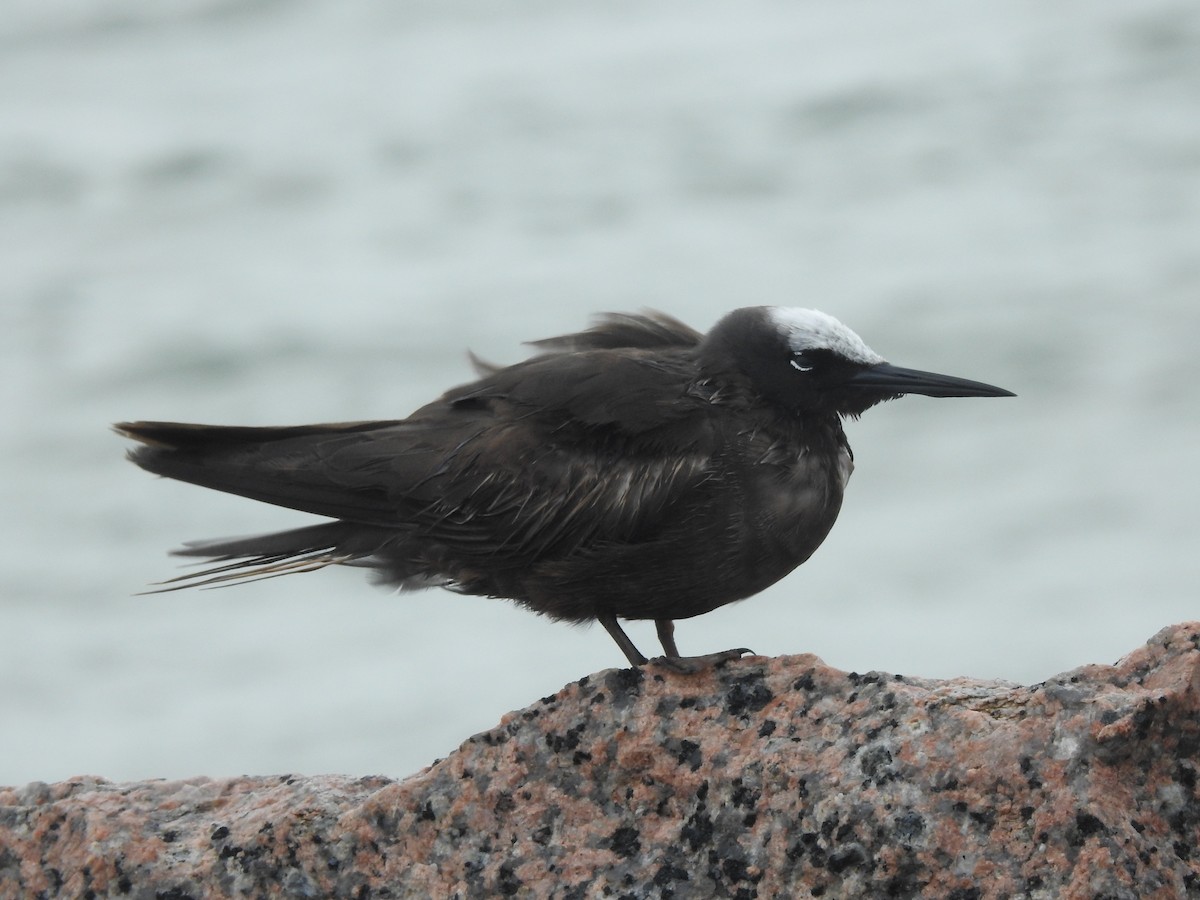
(544, 456)
(538, 497)
(517, 459)
(631, 391)
(648, 330)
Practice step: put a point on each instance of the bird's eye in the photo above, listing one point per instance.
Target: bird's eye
(800, 362)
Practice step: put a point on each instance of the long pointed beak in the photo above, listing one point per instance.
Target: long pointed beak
(895, 380)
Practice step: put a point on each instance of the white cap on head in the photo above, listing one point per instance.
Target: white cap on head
(811, 329)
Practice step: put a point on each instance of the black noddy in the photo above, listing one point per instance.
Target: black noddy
(636, 470)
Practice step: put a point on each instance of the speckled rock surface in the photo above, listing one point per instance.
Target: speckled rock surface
(766, 778)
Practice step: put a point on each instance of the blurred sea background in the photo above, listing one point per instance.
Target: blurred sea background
(293, 211)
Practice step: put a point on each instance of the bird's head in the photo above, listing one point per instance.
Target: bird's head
(807, 361)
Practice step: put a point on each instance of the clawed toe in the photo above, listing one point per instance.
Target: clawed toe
(693, 665)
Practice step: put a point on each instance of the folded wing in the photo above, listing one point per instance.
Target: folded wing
(487, 480)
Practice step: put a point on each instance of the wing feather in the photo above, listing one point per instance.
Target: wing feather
(649, 330)
(531, 461)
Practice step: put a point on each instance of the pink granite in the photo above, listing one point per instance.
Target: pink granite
(765, 778)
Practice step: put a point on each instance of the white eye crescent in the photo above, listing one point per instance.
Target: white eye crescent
(799, 368)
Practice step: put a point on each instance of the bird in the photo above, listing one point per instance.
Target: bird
(635, 470)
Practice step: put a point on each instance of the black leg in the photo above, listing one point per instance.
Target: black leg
(694, 665)
(666, 636)
(609, 621)
(684, 665)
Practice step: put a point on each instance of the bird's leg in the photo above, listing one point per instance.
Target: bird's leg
(688, 665)
(666, 636)
(609, 621)
(684, 665)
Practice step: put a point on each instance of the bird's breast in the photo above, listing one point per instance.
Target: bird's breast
(793, 497)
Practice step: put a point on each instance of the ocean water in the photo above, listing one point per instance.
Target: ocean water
(291, 211)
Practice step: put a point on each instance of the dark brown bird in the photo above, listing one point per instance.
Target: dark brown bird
(637, 470)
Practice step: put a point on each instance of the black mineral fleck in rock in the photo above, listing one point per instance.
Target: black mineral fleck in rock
(686, 753)
(804, 683)
(748, 694)
(668, 874)
(625, 685)
(845, 856)
(510, 885)
(698, 830)
(1088, 824)
(624, 841)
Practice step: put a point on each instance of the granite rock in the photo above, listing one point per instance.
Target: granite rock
(765, 778)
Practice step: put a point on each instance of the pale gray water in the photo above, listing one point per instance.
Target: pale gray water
(284, 212)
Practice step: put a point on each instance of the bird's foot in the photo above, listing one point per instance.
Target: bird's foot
(694, 665)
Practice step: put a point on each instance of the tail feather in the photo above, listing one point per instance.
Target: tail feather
(257, 557)
(285, 466)
(246, 571)
(191, 437)
(325, 536)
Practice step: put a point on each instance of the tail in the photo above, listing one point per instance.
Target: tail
(290, 466)
(283, 466)
(253, 558)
